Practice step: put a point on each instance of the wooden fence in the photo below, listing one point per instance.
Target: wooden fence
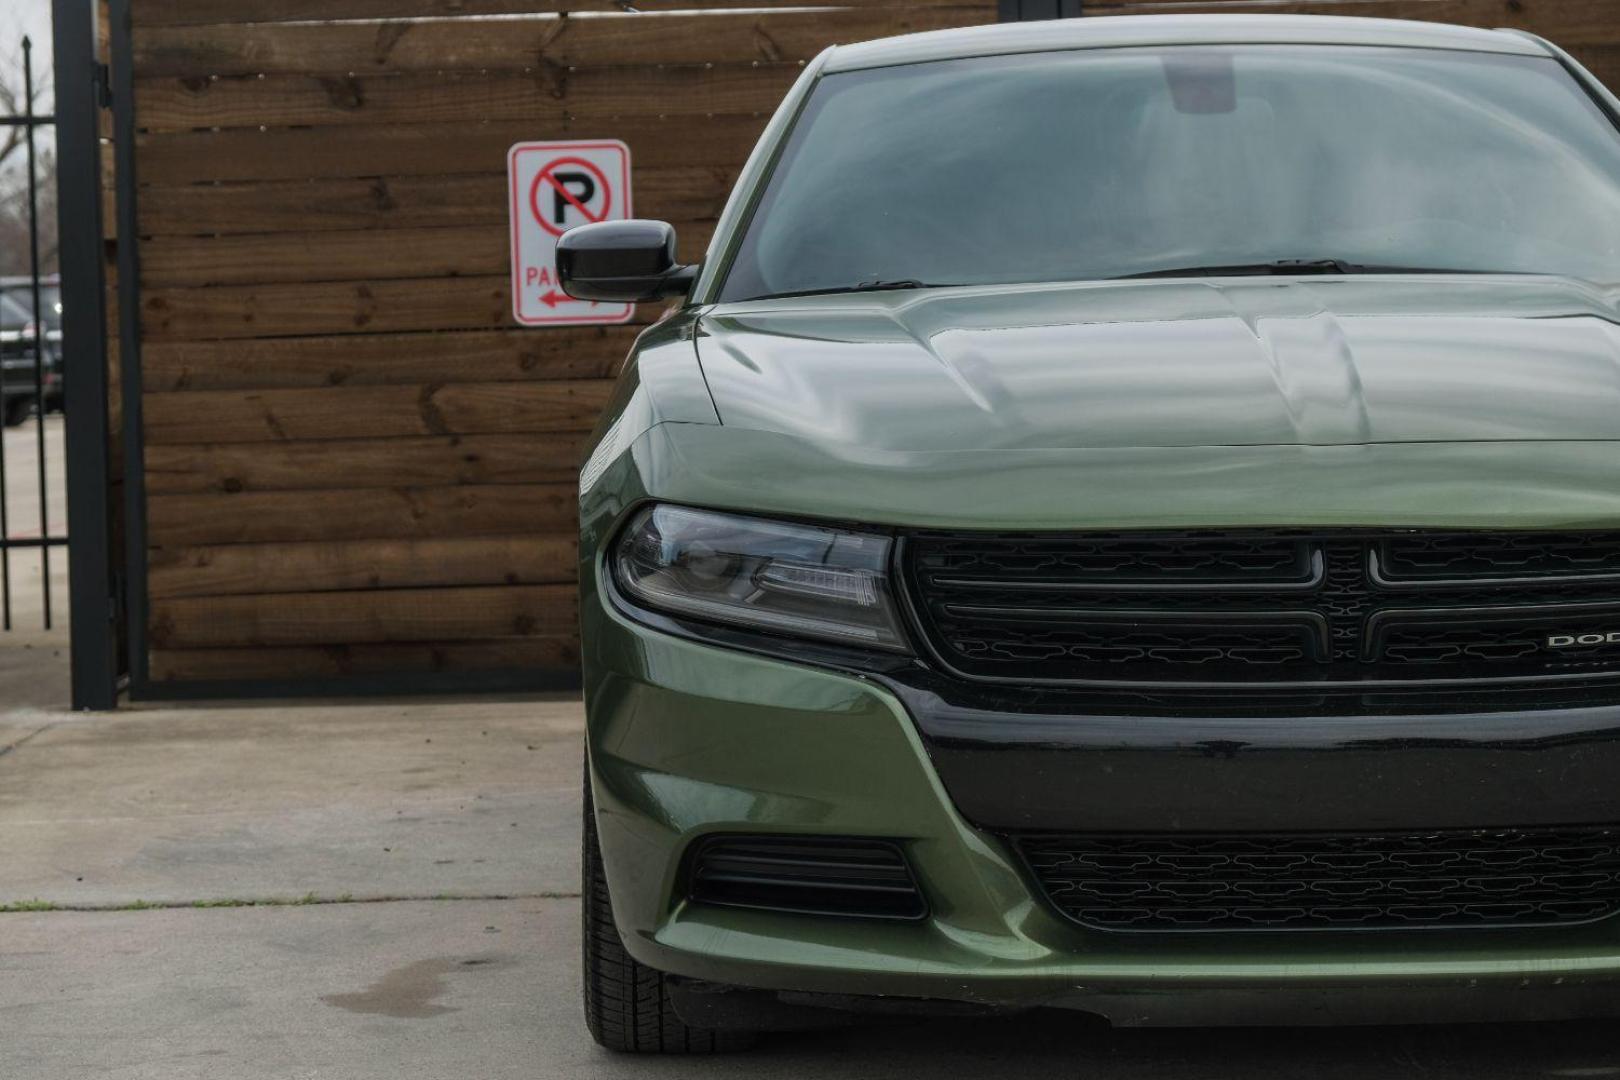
(354, 462)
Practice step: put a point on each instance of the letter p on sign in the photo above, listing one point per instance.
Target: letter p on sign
(554, 187)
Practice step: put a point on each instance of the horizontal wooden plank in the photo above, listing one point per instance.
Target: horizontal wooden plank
(1568, 22)
(689, 193)
(204, 12)
(331, 618)
(343, 661)
(374, 412)
(589, 94)
(345, 463)
(573, 352)
(359, 255)
(475, 251)
(297, 310)
(428, 149)
(255, 569)
(250, 311)
(543, 45)
(360, 514)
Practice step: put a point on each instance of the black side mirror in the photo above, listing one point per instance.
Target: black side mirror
(630, 261)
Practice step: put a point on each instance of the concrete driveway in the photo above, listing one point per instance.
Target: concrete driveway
(388, 890)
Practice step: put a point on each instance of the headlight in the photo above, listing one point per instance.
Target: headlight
(802, 580)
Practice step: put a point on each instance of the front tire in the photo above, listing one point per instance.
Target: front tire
(17, 410)
(627, 1004)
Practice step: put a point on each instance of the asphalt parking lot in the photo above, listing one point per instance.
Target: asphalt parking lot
(348, 891)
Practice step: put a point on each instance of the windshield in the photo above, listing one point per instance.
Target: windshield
(1109, 163)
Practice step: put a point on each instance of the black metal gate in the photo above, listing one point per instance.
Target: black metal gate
(30, 370)
(94, 119)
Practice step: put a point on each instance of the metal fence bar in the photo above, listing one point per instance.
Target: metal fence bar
(80, 97)
(122, 54)
(40, 330)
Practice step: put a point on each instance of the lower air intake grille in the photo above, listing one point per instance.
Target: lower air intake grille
(1330, 881)
(854, 878)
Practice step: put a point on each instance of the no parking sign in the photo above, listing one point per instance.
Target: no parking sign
(554, 187)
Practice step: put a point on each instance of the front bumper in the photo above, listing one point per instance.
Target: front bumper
(688, 739)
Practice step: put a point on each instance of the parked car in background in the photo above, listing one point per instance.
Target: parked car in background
(20, 291)
(1124, 518)
(18, 384)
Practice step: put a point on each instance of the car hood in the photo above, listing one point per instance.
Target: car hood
(1139, 364)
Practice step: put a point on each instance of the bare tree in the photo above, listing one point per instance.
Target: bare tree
(15, 254)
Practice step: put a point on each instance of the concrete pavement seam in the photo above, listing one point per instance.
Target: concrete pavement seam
(46, 907)
(36, 733)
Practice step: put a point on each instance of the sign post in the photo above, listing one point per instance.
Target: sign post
(554, 187)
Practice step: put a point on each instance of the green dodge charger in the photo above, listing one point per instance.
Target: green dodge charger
(1125, 518)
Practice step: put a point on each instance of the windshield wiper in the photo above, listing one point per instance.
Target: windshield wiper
(1293, 268)
(860, 287)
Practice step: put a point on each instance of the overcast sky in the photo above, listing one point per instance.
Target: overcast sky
(31, 17)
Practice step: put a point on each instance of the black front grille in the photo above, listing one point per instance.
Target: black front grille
(1497, 878)
(1439, 557)
(1278, 607)
(1147, 559)
(853, 877)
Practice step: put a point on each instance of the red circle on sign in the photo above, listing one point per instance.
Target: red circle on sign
(546, 177)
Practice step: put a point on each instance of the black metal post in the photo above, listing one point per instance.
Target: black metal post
(39, 326)
(122, 46)
(80, 85)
